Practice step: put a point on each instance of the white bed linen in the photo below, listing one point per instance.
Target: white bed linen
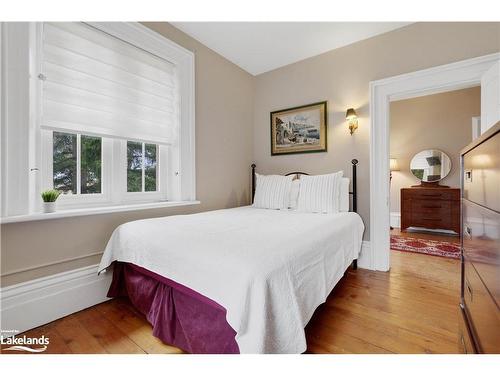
(270, 269)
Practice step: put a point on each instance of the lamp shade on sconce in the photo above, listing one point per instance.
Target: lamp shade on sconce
(393, 165)
(351, 114)
(352, 118)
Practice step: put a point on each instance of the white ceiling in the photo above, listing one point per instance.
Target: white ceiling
(258, 47)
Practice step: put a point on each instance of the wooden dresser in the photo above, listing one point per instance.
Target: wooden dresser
(431, 208)
(480, 297)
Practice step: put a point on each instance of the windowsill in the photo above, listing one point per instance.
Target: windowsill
(94, 211)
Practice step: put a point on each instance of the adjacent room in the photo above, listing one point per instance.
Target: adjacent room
(250, 187)
(427, 134)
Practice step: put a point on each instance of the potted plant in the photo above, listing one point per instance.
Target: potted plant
(49, 198)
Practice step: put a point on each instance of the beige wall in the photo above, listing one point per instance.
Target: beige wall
(342, 77)
(440, 121)
(232, 129)
(224, 111)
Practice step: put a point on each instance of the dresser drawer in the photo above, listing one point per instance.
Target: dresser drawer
(431, 209)
(430, 222)
(432, 194)
(482, 310)
(481, 174)
(438, 214)
(481, 244)
(465, 341)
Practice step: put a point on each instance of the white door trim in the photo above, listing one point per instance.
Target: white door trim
(442, 78)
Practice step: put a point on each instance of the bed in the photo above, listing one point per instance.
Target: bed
(241, 280)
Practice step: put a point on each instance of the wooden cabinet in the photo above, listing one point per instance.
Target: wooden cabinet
(481, 243)
(430, 208)
(480, 297)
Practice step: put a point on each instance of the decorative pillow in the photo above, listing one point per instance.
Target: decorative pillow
(344, 195)
(272, 192)
(294, 194)
(320, 194)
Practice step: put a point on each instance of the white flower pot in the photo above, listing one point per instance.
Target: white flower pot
(49, 207)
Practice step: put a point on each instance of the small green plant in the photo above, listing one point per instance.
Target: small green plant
(50, 195)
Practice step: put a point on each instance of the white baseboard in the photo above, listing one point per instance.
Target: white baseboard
(395, 220)
(31, 304)
(366, 256)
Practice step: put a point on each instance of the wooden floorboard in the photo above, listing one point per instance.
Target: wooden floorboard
(411, 309)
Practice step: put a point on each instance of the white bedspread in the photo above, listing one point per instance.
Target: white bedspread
(270, 269)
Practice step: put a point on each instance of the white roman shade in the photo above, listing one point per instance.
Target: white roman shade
(94, 83)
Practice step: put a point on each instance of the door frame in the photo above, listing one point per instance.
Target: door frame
(454, 76)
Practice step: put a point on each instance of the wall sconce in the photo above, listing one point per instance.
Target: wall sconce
(352, 119)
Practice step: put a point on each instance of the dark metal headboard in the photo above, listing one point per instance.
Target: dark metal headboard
(354, 191)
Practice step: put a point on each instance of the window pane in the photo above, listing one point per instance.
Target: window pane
(134, 166)
(64, 162)
(150, 167)
(90, 165)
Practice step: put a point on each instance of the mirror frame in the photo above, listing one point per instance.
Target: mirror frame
(434, 181)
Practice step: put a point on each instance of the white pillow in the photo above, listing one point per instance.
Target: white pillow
(320, 194)
(272, 192)
(294, 194)
(344, 195)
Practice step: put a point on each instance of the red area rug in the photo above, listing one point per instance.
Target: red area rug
(422, 246)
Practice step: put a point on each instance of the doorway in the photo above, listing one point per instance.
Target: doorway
(435, 80)
(427, 134)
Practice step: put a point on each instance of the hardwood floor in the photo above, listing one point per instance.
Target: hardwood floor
(411, 309)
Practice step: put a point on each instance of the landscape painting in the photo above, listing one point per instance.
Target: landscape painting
(299, 129)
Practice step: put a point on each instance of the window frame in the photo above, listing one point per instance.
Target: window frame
(143, 168)
(173, 182)
(71, 201)
(161, 193)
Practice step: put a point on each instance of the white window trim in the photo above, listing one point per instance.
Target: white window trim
(180, 184)
(95, 211)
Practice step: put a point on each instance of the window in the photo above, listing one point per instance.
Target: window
(141, 167)
(76, 163)
(64, 162)
(103, 112)
(95, 87)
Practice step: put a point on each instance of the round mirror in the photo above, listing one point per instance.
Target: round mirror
(430, 165)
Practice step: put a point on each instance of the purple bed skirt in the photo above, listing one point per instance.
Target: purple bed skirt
(180, 316)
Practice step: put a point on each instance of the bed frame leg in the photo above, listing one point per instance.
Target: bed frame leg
(355, 264)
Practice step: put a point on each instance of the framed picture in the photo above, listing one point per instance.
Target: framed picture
(299, 129)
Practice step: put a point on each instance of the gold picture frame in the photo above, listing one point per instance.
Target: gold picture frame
(299, 130)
